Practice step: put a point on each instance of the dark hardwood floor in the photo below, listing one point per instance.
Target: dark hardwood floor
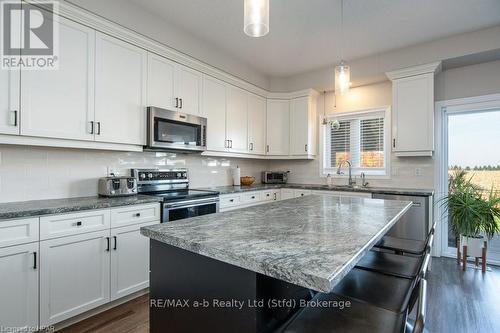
(130, 317)
(460, 301)
(467, 302)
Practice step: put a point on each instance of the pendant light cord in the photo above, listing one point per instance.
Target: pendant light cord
(341, 30)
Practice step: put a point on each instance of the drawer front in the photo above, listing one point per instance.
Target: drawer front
(226, 201)
(301, 193)
(267, 195)
(135, 214)
(249, 198)
(287, 193)
(16, 232)
(271, 195)
(73, 224)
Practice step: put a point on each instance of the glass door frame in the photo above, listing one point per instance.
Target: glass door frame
(443, 109)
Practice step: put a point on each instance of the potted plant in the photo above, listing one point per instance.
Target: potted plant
(473, 216)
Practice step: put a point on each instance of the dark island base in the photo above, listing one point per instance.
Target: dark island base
(192, 293)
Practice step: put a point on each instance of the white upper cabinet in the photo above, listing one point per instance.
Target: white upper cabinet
(120, 82)
(302, 126)
(19, 287)
(9, 101)
(214, 109)
(161, 74)
(188, 84)
(256, 124)
(278, 127)
(173, 86)
(236, 120)
(60, 103)
(413, 110)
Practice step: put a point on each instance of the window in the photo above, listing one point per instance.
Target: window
(362, 139)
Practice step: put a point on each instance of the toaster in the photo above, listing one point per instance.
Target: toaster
(274, 177)
(117, 186)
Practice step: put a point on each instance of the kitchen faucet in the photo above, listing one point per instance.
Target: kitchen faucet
(339, 172)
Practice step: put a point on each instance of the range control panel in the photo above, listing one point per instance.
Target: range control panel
(159, 175)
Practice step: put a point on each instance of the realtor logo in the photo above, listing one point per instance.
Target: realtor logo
(29, 35)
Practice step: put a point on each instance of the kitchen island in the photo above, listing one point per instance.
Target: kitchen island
(203, 267)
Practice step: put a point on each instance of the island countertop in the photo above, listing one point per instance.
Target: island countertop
(311, 241)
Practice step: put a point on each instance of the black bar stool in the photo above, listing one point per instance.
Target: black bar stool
(393, 264)
(360, 317)
(404, 245)
(384, 291)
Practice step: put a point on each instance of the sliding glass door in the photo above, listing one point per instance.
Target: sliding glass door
(471, 145)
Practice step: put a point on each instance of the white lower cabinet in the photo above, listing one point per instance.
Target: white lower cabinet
(129, 260)
(301, 193)
(84, 268)
(74, 275)
(271, 195)
(287, 193)
(19, 287)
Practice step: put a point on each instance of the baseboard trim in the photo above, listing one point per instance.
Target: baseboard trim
(100, 309)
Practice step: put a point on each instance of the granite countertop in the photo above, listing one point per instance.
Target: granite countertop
(382, 190)
(312, 241)
(12, 210)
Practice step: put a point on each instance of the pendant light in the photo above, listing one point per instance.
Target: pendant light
(256, 22)
(342, 71)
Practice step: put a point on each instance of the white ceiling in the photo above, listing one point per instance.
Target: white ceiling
(305, 34)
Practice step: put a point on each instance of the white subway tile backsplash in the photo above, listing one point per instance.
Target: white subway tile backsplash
(32, 173)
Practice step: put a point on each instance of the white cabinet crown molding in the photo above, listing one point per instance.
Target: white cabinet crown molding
(434, 67)
(101, 24)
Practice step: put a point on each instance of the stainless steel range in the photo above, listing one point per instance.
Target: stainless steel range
(172, 185)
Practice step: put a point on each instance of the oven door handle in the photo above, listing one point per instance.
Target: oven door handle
(190, 203)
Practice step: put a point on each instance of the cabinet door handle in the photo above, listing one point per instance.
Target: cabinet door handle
(176, 102)
(116, 242)
(180, 105)
(231, 143)
(251, 146)
(305, 147)
(137, 214)
(253, 196)
(78, 224)
(98, 128)
(108, 241)
(267, 149)
(14, 121)
(274, 197)
(231, 200)
(34, 260)
(393, 143)
(91, 127)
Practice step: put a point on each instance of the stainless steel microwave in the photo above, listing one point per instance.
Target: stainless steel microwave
(171, 130)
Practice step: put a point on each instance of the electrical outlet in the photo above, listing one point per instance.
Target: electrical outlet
(419, 172)
(112, 170)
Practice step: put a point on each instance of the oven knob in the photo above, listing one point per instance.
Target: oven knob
(184, 175)
(179, 175)
(142, 176)
(150, 175)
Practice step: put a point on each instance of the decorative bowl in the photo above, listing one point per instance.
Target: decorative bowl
(247, 180)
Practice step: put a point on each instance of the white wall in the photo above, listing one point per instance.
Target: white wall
(468, 81)
(32, 173)
(137, 19)
(371, 69)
